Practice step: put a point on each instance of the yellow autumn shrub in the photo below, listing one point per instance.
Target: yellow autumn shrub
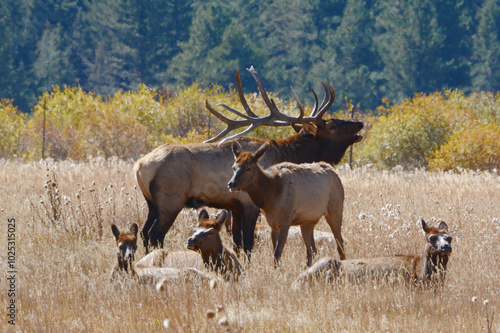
(80, 125)
(13, 128)
(412, 133)
(476, 148)
(407, 134)
(61, 116)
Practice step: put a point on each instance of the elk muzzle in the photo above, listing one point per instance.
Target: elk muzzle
(233, 185)
(191, 244)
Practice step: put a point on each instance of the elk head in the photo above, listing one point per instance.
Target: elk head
(206, 237)
(127, 245)
(438, 239)
(245, 166)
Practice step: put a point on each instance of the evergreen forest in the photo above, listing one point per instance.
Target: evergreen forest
(369, 50)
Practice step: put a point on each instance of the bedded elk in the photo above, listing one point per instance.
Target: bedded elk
(206, 251)
(127, 246)
(174, 176)
(206, 240)
(427, 269)
(291, 194)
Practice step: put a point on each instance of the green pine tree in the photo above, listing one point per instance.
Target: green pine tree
(485, 70)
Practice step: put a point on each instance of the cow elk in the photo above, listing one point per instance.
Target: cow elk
(206, 251)
(291, 194)
(174, 176)
(127, 246)
(206, 240)
(427, 269)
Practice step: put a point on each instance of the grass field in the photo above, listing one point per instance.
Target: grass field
(65, 251)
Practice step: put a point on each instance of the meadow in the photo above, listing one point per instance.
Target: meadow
(65, 251)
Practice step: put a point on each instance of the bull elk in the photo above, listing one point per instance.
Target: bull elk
(174, 176)
(427, 269)
(291, 194)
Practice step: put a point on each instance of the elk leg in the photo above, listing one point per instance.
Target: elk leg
(274, 237)
(236, 230)
(228, 223)
(282, 236)
(308, 236)
(335, 222)
(249, 221)
(152, 215)
(166, 217)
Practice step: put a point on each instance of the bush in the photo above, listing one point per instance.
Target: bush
(435, 126)
(473, 148)
(80, 125)
(13, 126)
(407, 134)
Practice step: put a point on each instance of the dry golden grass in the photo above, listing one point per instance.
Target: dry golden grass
(65, 251)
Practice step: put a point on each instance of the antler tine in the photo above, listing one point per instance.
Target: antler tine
(315, 108)
(318, 112)
(272, 107)
(241, 95)
(236, 112)
(298, 101)
(325, 105)
(237, 135)
(231, 124)
(324, 101)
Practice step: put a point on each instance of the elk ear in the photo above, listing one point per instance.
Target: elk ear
(134, 229)
(203, 215)
(443, 225)
(236, 149)
(425, 227)
(115, 230)
(221, 217)
(308, 128)
(258, 154)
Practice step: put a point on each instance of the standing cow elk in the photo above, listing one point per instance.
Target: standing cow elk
(427, 269)
(174, 176)
(291, 194)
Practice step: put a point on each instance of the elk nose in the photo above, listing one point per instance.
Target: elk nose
(190, 244)
(446, 248)
(232, 186)
(129, 254)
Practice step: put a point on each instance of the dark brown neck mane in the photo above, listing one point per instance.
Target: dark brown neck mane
(305, 149)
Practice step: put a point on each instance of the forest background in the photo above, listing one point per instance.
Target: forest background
(117, 78)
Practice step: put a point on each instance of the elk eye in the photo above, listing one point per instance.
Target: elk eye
(247, 169)
(332, 127)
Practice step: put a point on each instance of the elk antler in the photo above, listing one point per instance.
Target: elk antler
(275, 118)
